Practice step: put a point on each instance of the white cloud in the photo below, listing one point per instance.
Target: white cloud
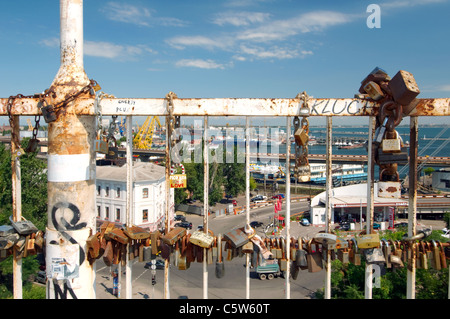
(114, 51)
(408, 3)
(282, 29)
(199, 63)
(127, 13)
(182, 42)
(242, 18)
(274, 52)
(444, 88)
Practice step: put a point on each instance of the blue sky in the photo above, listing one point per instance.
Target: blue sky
(237, 48)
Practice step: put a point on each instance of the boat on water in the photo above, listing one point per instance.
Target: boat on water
(340, 173)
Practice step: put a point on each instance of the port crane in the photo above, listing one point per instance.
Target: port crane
(144, 136)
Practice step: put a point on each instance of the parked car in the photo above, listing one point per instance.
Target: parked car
(258, 198)
(446, 233)
(256, 224)
(305, 222)
(344, 226)
(159, 264)
(185, 224)
(180, 218)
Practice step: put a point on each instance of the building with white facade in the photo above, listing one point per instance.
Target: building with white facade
(148, 191)
(350, 203)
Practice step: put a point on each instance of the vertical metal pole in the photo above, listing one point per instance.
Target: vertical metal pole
(205, 203)
(16, 208)
(370, 204)
(167, 192)
(328, 195)
(130, 200)
(288, 207)
(71, 170)
(247, 201)
(412, 202)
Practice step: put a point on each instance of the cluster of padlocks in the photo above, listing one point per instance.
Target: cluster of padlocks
(181, 247)
(396, 97)
(22, 237)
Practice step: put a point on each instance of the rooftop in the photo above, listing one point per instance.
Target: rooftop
(142, 172)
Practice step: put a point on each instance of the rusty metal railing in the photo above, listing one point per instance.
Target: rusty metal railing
(71, 145)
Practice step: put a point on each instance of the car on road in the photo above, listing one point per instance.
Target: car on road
(256, 224)
(179, 218)
(258, 198)
(185, 224)
(159, 264)
(305, 222)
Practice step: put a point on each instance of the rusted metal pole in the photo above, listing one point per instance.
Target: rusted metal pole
(370, 204)
(205, 202)
(328, 195)
(247, 201)
(129, 219)
(288, 207)
(412, 202)
(16, 206)
(71, 170)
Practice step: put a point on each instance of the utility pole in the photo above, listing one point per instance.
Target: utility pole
(71, 170)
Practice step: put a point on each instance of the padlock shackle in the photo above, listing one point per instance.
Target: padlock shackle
(388, 109)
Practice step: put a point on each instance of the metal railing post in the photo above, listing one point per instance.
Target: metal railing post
(16, 208)
(130, 200)
(288, 207)
(247, 201)
(370, 204)
(412, 203)
(71, 170)
(205, 203)
(328, 207)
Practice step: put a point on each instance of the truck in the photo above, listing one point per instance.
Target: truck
(268, 269)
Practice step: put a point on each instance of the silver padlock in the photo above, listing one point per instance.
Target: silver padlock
(380, 131)
(389, 189)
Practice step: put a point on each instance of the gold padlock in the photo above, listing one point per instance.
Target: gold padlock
(392, 143)
(301, 136)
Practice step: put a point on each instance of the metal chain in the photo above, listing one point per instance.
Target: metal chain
(302, 169)
(173, 121)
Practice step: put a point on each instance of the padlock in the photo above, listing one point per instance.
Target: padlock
(368, 241)
(101, 146)
(386, 252)
(343, 256)
(172, 236)
(23, 227)
(442, 255)
(328, 241)
(236, 237)
(108, 254)
(355, 257)
(118, 235)
(314, 258)
(32, 145)
(8, 241)
(113, 153)
(304, 173)
(374, 90)
(383, 158)
(136, 232)
(202, 239)
(392, 142)
(93, 247)
(47, 111)
(300, 259)
(6, 230)
(220, 267)
(389, 188)
(154, 240)
(436, 260)
(301, 136)
(403, 87)
(380, 131)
